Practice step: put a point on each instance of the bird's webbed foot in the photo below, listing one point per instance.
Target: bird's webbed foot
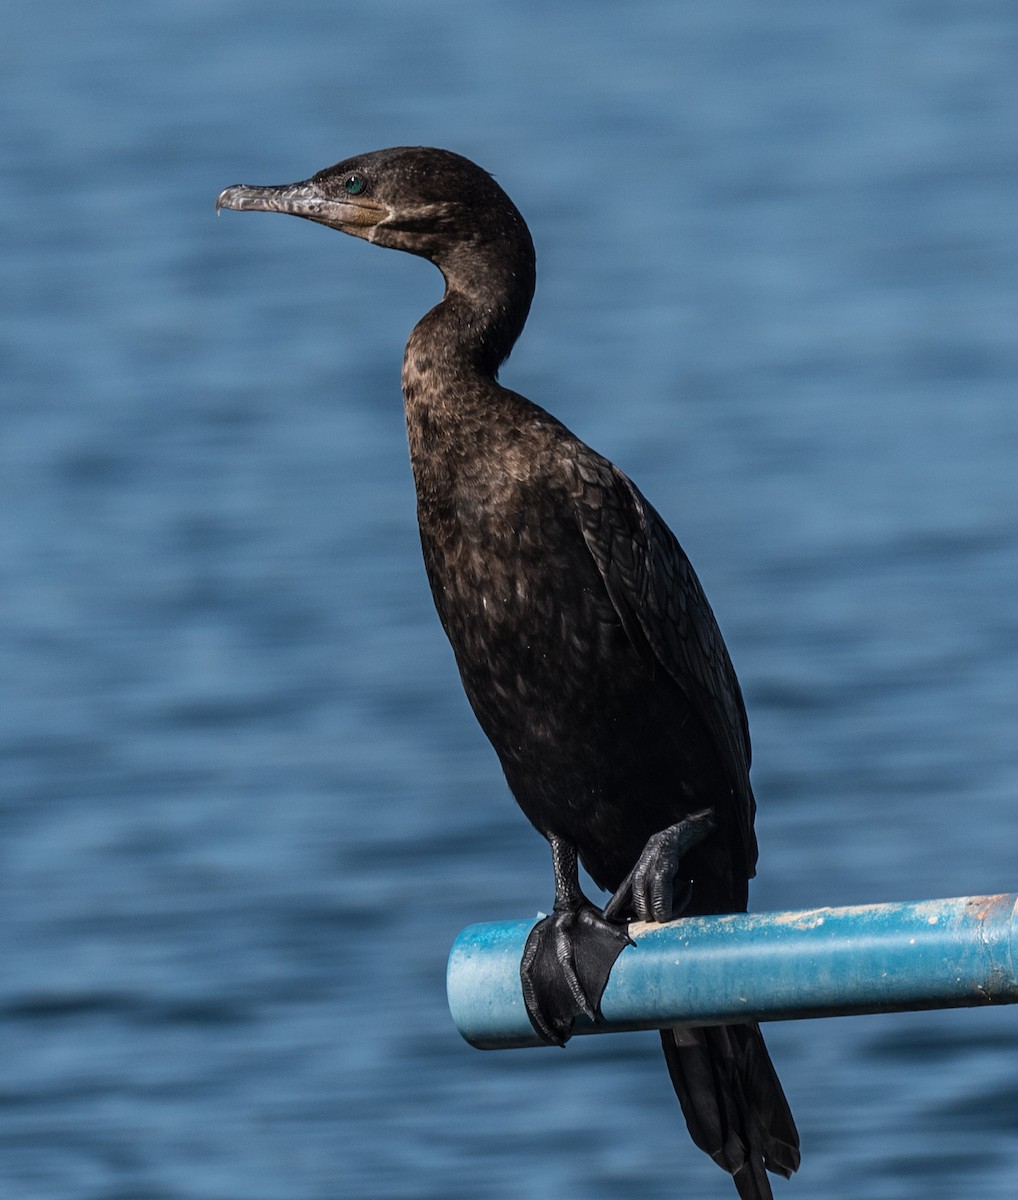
(569, 955)
(650, 891)
(566, 963)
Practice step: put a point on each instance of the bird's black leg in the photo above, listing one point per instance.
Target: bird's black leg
(569, 955)
(648, 891)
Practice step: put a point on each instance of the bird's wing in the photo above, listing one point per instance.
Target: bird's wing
(662, 607)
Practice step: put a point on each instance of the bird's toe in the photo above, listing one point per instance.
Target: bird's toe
(565, 967)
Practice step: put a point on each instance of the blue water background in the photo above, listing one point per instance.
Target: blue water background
(244, 808)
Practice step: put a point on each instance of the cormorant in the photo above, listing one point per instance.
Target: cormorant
(585, 643)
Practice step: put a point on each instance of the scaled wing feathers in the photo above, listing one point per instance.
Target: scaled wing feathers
(662, 607)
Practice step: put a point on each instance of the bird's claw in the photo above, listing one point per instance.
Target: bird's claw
(565, 967)
(650, 891)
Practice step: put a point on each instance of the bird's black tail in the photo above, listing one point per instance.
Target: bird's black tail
(733, 1103)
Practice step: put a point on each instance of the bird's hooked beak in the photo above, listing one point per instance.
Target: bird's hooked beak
(308, 200)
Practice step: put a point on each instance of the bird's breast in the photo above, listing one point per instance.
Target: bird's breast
(519, 596)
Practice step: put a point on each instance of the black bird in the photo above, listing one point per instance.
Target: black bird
(585, 643)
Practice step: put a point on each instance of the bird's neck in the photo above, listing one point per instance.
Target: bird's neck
(449, 373)
(456, 349)
(454, 405)
(489, 284)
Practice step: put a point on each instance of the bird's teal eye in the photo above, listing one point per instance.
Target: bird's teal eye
(353, 185)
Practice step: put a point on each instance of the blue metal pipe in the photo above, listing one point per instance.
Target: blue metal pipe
(821, 962)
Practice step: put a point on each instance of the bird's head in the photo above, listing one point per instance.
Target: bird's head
(428, 202)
